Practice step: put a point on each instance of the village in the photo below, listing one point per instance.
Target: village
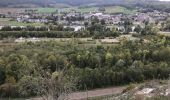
(84, 50)
(78, 21)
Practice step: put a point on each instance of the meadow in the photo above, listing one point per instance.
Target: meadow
(109, 9)
(9, 22)
(118, 9)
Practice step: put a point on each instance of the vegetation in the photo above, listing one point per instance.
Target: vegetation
(96, 30)
(47, 10)
(166, 25)
(93, 67)
(52, 69)
(9, 22)
(110, 9)
(118, 9)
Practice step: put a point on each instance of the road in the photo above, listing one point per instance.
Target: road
(91, 93)
(95, 93)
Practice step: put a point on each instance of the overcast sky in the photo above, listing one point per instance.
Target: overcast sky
(164, 0)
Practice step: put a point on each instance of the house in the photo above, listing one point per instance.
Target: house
(1, 27)
(2, 15)
(97, 14)
(76, 28)
(121, 28)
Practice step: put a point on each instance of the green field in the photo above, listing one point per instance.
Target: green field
(67, 9)
(46, 10)
(8, 22)
(110, 9)
(118, 9)
(88, 9)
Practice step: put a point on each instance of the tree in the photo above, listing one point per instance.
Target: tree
(86, 24)
(128, 26)
(120, 64)
(113, 29)
(167, 26)
(53, 62)
(102, 9)
(95, 20)
(2, 76)
(109, 59)
(103, 22)
(138, 29)
(6, 28)
(18, 66)
(150, 30)
(2, 72)
(55, 86)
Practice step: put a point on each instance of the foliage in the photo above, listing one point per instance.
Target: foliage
(129, 88)
(93, 67)
(150, 30)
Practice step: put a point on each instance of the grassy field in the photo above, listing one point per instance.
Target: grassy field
(46, 10)
(88, 9)
(66, 8)
(11, 10)
(7, 22)
(118, 9)
(111, 9)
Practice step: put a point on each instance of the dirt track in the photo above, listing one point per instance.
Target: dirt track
(95, 93)
(91, 93)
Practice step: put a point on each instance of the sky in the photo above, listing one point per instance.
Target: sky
(164, 0)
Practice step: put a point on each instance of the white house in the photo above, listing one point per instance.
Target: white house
(76, 28)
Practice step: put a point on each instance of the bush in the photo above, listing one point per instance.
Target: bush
(129, 88)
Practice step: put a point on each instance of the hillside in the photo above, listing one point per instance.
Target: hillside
(5, 3)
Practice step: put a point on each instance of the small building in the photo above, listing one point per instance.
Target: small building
(76, 28)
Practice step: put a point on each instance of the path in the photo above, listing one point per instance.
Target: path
(95, 93)
(91, 93)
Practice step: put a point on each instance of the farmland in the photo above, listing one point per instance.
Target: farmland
(46, 10)
(110, 9)
(118, 9)
(11, 10)
(67, 9)
(9, 22)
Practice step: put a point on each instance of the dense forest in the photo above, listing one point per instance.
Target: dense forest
(87, 67)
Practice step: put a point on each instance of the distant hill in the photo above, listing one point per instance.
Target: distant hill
(7, 3)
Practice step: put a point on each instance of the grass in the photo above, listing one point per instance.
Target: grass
(83, 42)
(67, 8)
(7, 22)
(118, 9)
(110, 9)
(46, 10)
(87, 9)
